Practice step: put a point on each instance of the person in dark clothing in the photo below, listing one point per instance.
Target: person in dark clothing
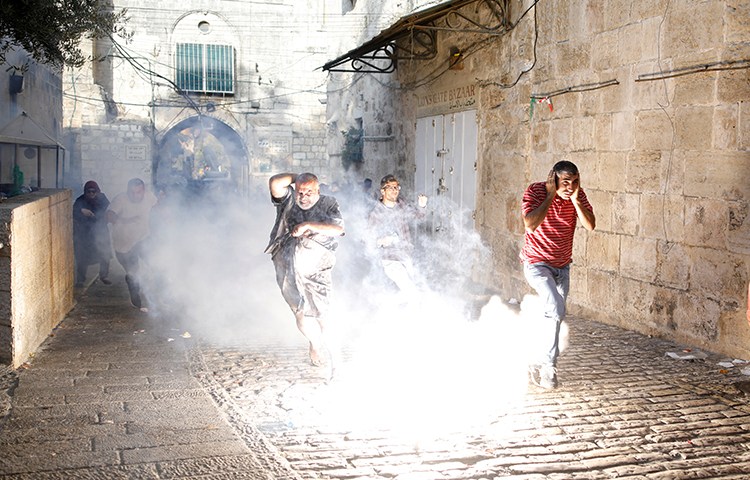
(91, 241)
(302, 246)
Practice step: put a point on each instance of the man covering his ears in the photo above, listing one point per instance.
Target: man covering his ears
(551, 210)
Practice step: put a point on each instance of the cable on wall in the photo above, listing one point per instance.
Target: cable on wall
(706, 67)
(546, 98)
(578, 88)
(475, 47)
(533, 63)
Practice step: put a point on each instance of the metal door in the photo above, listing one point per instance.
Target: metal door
(446, 168)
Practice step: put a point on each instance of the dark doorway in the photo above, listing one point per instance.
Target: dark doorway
(200, 154)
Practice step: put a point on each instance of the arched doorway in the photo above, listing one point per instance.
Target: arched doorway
(201, 153)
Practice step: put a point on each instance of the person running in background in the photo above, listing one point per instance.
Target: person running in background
(129, 215)
(91, 242)
(390, 235)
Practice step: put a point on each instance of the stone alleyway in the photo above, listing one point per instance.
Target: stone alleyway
(624, 410)
(117, 394)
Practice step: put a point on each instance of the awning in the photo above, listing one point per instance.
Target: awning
(22, 130)
(45, 164)
(381, 53)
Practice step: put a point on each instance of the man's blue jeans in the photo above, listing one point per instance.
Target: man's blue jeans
(552, 285)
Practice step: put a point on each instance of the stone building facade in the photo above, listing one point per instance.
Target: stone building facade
(30, 111)
(36, 238)
(39, 94)
(202, 93)
(650, 99)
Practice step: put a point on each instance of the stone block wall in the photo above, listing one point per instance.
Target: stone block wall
(371, 101)
(41, 98)
(665, 161)
(309, 153)
(116, 105)
(36, 270)
(113, 153)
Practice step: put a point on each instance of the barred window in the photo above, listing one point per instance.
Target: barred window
(205, 68)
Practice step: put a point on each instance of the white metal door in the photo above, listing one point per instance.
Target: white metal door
(446, 168)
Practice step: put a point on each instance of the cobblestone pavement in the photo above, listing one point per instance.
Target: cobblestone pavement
(118, 394)
(8, 382)
(111, 395)
(624, 410)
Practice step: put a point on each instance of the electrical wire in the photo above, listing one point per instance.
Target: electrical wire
(75, 100)
(238, 78)
(138, 67)
(168, 103)
(468, 52)
(663, 108)
(141, 70)
(576, 89)
(533, 63)
(706, 67)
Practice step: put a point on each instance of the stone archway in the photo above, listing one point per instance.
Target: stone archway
(201, 152)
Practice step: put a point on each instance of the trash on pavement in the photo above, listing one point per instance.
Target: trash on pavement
(687, 355)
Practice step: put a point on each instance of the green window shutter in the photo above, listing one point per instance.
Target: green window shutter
(220, 68)
(190, 67)
(205, 68)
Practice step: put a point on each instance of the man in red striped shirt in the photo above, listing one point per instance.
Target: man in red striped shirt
(551, 210)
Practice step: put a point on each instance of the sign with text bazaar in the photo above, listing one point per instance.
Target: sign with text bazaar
(432, 102)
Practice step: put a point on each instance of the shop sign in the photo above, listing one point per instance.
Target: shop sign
(448, 100)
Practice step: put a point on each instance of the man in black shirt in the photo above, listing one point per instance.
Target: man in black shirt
(302, 245)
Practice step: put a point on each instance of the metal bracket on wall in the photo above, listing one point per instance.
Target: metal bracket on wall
(414, 37)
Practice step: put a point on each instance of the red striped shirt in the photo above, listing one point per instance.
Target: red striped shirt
(552, 241)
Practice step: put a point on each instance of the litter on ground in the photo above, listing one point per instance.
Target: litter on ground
(687, 355)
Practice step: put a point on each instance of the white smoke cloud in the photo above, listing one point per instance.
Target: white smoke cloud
(206, 267)
(455, 345)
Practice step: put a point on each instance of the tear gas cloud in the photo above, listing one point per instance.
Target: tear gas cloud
(206, 268)
(451, 351)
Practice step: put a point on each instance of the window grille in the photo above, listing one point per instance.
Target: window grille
(205, 68)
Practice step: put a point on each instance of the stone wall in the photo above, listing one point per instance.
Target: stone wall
(36, 270)
(665, 161)
(41, 98)
(113, 153)
(373, 104)
(130, 98)
(374, 100)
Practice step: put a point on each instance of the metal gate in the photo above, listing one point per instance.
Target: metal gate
(446, 168)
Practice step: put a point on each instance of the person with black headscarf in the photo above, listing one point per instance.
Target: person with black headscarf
(91, 240)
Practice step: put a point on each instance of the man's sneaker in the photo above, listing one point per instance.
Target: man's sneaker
(548, 377)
